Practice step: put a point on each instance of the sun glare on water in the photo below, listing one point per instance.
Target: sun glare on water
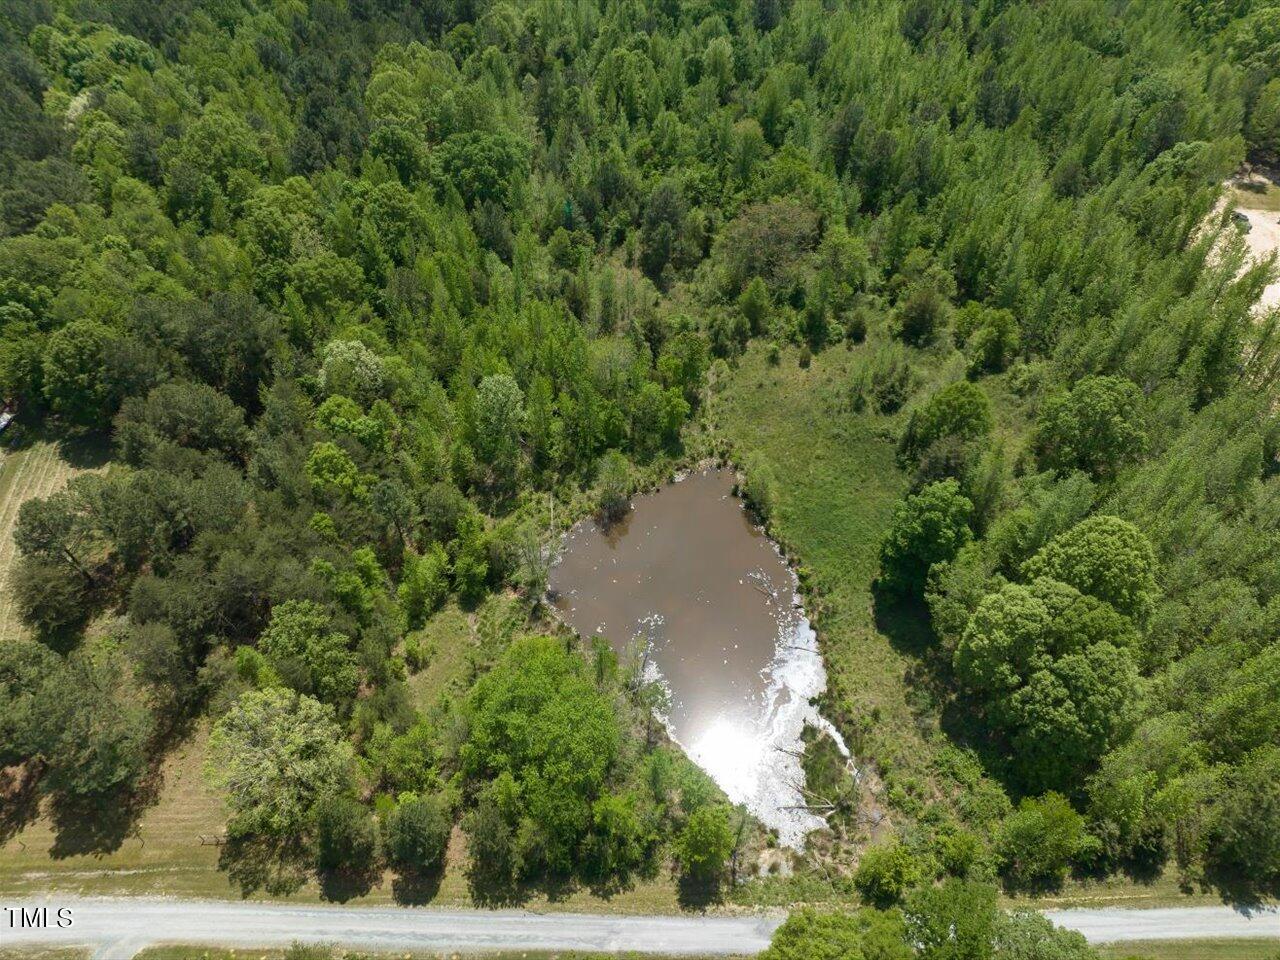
(733, 754)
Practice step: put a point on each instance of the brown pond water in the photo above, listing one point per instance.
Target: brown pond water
(689, 581)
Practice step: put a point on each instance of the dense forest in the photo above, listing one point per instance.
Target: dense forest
(367, 295)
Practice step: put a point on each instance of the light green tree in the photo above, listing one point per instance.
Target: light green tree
(706, 843)
(275, 753)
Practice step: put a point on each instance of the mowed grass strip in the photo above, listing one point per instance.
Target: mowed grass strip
(1235, 949)
(37, 469)
(207, 953)
(160, 854)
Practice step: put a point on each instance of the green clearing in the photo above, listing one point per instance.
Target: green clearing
(1257, 197)
(446, 640)
(1193, 950)
(838, 484)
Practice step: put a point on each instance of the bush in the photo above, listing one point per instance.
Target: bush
(885, 380)
(614, 496)
(959, 412)
(921, 314)
(424, 583)
(416, 834)
(706, 843)
(417, 652)
(346, 840)
(1039, 840)
(810, 934)
(885, 874)
(927, 528)
(759, 486)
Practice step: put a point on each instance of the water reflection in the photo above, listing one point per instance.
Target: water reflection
(687, 576)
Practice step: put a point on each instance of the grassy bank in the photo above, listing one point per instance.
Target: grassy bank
(319, 953)
(1194, 950)
(838, 483)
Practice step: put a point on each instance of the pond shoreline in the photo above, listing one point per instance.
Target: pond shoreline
(717, 604)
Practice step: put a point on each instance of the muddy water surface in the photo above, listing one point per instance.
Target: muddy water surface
(688, 578)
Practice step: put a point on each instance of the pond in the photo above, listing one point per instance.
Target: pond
(713, 609)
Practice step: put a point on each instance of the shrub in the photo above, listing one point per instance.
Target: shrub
(1039, 840)
(885, 874)
(759, 486)
(416, 834)
(345, 836)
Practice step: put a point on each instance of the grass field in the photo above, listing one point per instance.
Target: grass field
(838, 484)
(36, 469)
(1194, 950)
(1258, 196)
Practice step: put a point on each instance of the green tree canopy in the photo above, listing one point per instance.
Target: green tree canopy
(1041, 839)
(957, 413)
(1105, 557)
(928, 527)
(539, 718)
(705, 843)
(416, 833)
(1054, 671)
(313, 658)
(1094, 427)
(275, 753)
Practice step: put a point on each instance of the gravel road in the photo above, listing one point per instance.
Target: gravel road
(118, 928)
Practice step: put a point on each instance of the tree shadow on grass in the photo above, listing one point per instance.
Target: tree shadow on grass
(278, 867)
(417, 887)
(340, 886)
(1244, 893)
(86, 451)
(100, 824)
(490, 889)
(497, 891)
(697, 895)
(905, 622)
(19, 798)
